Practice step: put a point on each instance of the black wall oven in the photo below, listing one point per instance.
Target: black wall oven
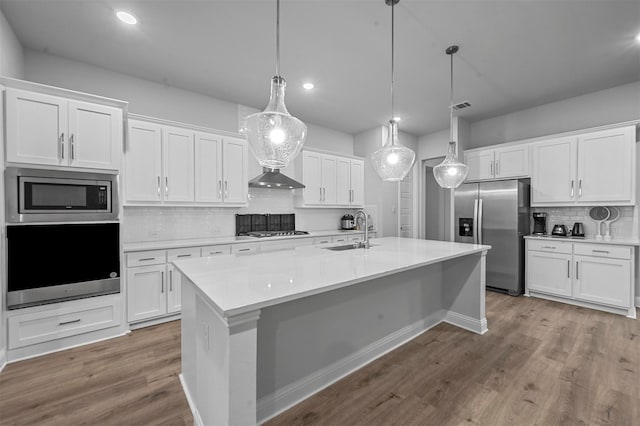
(57, 262)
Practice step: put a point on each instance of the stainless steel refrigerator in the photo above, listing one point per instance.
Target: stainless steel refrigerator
(496, 213)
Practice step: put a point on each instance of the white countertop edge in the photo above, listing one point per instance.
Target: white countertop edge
(619, 242)
(232, 239)
(288, 298)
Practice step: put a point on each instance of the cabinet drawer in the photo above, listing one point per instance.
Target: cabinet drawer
(340, 239)
(321, 241)
(143, 258)
(244, 248)
(550, 246)
(182, 253)
(602, 250)
(37, 327)
(215, 250)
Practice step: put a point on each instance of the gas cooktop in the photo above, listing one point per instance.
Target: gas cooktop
(266, 234)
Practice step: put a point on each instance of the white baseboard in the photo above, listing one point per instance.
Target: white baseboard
(197, 421)
(3, 359)
(288, 396)
(468, 323)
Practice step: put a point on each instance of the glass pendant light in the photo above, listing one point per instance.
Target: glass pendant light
(275, 137)
(451, 172)
(393, 161)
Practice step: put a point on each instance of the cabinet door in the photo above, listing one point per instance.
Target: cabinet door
(174, 291)
(603, 280)
(178, 164)
(343, 181)
(235, 170)
(329, 188)
(146, 297)
(208, 167)
(36, 128)
(143, 162)
(480, 164)
(605, 166)
(549, 272)
(357, 183)
(95, 136)
(311, 177)
(512, 161)
(553, 173)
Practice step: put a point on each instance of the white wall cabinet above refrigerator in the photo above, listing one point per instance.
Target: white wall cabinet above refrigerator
(330, 180)
(56, 131)
(596, 168)
(170, 165)
(511, 161)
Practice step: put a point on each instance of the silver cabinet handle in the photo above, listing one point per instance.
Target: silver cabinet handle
(170, 280)
(184, 255)
(62, 146)
(491, 168)
(158, 186)
(162, 282)
(580, 188)
(71, 143)
(69, 322)
(166, 185)
(146, 259)
(220, 189)
(244, 249)
(226, 189)
(572, 189)
(568, 269)
(577, 271)
(324, 194)
(549, 247)
(600, 251)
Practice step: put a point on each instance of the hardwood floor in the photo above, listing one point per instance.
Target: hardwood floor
(541, 363)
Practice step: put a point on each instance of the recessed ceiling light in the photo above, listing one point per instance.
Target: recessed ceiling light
(308, 86)
(126, 17)
(397, 118)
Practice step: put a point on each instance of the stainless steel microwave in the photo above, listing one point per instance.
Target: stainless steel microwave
(38, 195)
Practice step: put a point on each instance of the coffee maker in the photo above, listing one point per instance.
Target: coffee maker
(539, 223)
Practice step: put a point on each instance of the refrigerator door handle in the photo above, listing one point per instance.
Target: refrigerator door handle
(475, 222)
(480, 239)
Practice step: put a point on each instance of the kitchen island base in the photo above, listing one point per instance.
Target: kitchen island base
(246, 368)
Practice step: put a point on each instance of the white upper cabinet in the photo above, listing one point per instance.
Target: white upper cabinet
(50, 130)
(595, 168)
(235, 170)
(178, 164)
(553, 171)
(143, 162)
(208, 167)
(331, 180)
(606, 170)
(170, 165)
(506, 162)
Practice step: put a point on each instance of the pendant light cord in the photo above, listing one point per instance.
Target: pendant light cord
(392, 57)
(451, 102)
(278, 38)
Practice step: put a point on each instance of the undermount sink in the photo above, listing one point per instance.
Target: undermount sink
(345, 247)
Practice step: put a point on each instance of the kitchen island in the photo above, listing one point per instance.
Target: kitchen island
(262, 332)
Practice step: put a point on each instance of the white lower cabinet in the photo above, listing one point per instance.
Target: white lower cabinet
(593, 275)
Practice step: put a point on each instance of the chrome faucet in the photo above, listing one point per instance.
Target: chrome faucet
(365, 243)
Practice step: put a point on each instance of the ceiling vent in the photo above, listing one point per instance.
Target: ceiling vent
(461, 105)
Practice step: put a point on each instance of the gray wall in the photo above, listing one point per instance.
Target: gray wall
(11, 53)
(615, 105)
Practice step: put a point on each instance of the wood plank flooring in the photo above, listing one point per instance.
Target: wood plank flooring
(541, 363)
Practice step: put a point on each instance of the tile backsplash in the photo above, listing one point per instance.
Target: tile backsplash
(621, 229)
(166, 223)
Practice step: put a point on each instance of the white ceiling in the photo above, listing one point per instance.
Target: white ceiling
(514, 54)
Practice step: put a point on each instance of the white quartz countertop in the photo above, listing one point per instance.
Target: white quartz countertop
(589, 240)
(196, 242)
(236, 284)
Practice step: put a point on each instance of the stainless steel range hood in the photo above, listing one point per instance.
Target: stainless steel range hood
(272, 178)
